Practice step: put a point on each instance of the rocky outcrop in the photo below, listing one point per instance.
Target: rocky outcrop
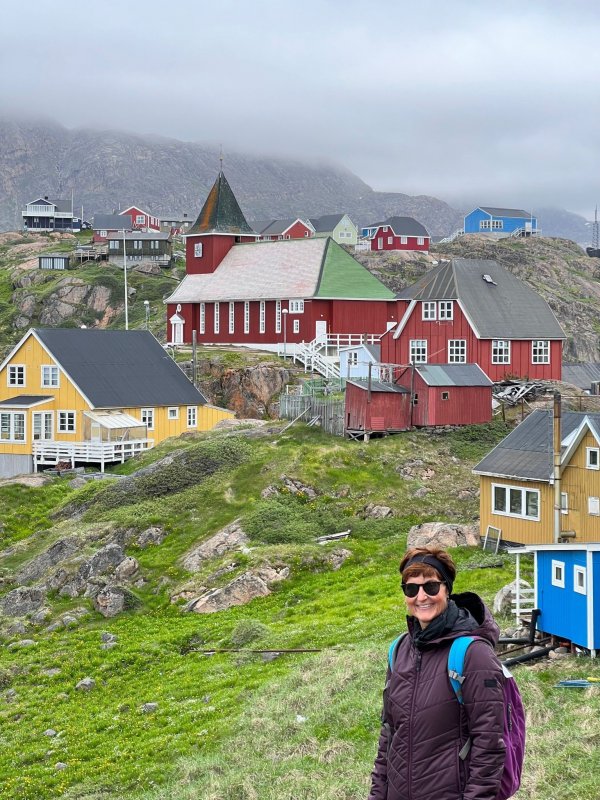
(246, 587)
(112, 600)
(443, 534)
(22, 601)
(232, 537)
(60, 551)
(250, 391)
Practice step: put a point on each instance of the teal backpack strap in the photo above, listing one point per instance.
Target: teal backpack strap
(394, 649)
(456, 661)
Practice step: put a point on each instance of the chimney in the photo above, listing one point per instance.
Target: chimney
(45, 197)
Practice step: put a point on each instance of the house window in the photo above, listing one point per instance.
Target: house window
(514, 501)
(103, 233)
(137, 244)
(296, 326)
(140, 219)
(484, 224)
(390, 240)
(202, 318)
(353, 358)
(420, 240)
(296, 306)
(445, 309)
(154, 244)
(192, 416)
(428, 310)
(231, 317)
(216, 318)
(12, 426)
(16, 375)
(246, 316)
(445, 395)
(418, 351)
(558, 574)
(415, 399)
(380, 243)
(594, 506)
(114, 244)
(457, 351)
(66, 422)
(197, 249)
(592, 458)
(173, 413)
(385, 229)
(306, 233)
(147, 417)
(287, 236)
(261, 328)
(579, 579)
(500, 351)
(404, 240)
(564, 503)
(278, 316)
(50, 378)
(497, 224)
(540, 351)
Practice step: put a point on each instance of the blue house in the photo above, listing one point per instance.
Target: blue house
(501, 222)
(355, 360)
(564, 579)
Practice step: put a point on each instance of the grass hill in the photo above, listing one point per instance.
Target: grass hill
(235, 724)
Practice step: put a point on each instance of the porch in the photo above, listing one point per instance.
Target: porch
(50, 453)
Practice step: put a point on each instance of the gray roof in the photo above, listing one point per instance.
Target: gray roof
(581, 375)
(111, 222)
(119, 369)
(25, 400)
(61, 205)
(278, 226)
(502, 307)
(403, 226)
(526, 452)
(139, 235)
(326, 223)
(505, 212)
(379, 386)
(453, 375)
(260, 225)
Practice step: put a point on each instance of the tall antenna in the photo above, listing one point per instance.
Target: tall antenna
(595, 230)
(221, 158)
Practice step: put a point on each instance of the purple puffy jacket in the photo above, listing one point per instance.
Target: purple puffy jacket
(418, 756)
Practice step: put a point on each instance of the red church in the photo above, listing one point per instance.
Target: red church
(240, 291)
(476, 311)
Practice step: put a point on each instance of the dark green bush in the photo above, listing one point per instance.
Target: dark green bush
(288, 519)
(248, 630)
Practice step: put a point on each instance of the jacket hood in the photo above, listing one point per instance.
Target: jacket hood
(487, 626)
(466, 614)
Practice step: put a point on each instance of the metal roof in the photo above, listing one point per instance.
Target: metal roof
(259, 225)
(112, 222)
(505, 212)
(326, 223)
(278, 226)
(119, 369)
(581, 375)
(221, 212)
(453, 375)
(115, 420)
(496, 302)
(402, 226)
(25, 400)
(378, 386)
(526, 452)
(147, 235)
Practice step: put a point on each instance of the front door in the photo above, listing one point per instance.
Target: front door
(42, 425)
(321, 329)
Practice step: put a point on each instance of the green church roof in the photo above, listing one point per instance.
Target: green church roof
(342, 276)
(221, 212)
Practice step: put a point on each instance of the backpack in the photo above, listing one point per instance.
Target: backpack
(514, 714)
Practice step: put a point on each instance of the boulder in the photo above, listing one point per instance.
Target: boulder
(22, 601)
(443, 534)
(377, 512)
(112, 600)
(85, 684)
(337, 557)
(505, 596)
(55, 554)
(126, 569)
(254, 583)
(231, 537)
(151, 536)
(98, 298)
(294, 486)
(105, 559)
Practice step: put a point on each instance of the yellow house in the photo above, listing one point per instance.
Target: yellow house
(92, 397)
(517, 483)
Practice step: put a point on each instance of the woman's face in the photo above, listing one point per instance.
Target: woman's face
(423, 607)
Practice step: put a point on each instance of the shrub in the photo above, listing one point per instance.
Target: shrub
(289, 520)
(248, 630)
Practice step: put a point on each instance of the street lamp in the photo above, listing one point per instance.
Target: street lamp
(284, 313)
(125, 280)
(147, 309)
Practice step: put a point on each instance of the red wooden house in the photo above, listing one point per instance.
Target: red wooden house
(280, 229)
(397, 233)
(375, 407)
(476, 311)
(141, 220)
(262, 294)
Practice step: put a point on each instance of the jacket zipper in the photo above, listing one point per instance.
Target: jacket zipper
(410, 721)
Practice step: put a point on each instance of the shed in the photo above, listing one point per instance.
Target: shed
(375, 407)
(449, 394)
(564, 579)
(53, 261)
(355, 360)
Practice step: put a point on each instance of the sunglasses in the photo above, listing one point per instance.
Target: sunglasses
(431, 588)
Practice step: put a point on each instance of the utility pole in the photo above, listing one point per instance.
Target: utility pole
(125, 280)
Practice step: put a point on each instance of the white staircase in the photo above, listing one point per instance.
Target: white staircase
(452, 237)
(322, 355)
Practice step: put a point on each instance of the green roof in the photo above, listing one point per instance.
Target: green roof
(221, 212)
(342, 276)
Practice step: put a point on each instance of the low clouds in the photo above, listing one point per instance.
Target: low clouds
(471, 103)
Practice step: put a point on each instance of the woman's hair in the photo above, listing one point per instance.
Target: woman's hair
(428, 570)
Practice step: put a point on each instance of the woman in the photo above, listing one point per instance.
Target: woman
(425, 727)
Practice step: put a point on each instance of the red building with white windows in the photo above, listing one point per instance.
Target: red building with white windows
(261, 294)
(141, 220)
(476, 311)
(280, 229)
(397, 233)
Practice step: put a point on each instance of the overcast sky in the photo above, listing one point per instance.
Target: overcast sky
(475, 103)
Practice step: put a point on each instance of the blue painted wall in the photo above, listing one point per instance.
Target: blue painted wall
(564, 611)
(509, 224)
(360, 370)
(596, 629)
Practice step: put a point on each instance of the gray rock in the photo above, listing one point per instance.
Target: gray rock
(151, 536)
(41, 616)
(126, 569)
(60, 765)
(86, 684)
(422, 491)
(377, 512)
(78, 483)
(10, 696)
(50, 732)
(105, 560)
(108, 645)
(17, 628)
(294, 486)
(21, 601)
(270, 491)
(73, 587)
(243, 589)
(105, 636)
(443, 534)
(68, 620)
(55, 554)
(232, 537)
(51, 672)
(505, 596)
(266, 657)
(337, 557)
(112, 600)
(55, 626)
(149, 708)
(21, 643)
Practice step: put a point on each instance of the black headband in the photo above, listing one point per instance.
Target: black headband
(432, 561)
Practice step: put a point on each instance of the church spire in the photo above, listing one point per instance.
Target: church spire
(221, 212)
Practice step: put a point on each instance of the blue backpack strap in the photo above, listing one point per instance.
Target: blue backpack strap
(394, 649)
(456, 661)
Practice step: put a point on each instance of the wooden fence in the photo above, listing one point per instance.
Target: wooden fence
(330, 413)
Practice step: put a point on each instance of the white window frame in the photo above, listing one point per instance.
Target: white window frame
(390, 240)
(524, 491)
(457, 351)
(40, 417)
(594, 506)
(104, 234)
(246, 316)
(147, 418)
(12, 375)
(198, 249)
(501, 351)
(353, 358)
(588, 458)
(484, 224)
(216, 317)
(416, 345)
(172, 413)
(296, 306)
(47, 372)
(113, 244)
(420, 240)
(428, 310)
(278, 316)
(497, 224)
(404, 240)
(579, 571)
(192, 416)
(446, 309)
(64, 425)
(140, 219)
(540, 351)
(380, 243)
(12, 426)
(231, 317)
(262, 317)
(296, 326)
(557, 574)
(202, 320)
(137, 244)
(564, 503)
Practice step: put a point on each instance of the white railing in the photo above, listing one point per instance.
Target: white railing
(525, 232)
(47, 453)
(452, 237)
(322, 355)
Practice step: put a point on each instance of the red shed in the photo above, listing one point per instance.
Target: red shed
(449, 394)
(375, 407)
